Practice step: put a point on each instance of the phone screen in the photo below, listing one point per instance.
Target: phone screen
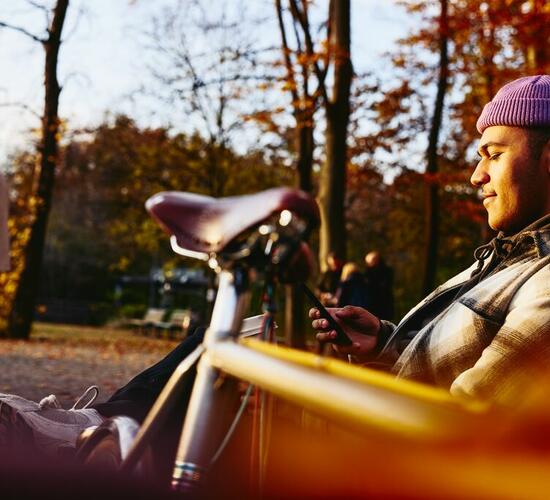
(341, 337)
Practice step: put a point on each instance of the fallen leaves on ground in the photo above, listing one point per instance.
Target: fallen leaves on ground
(65, 360)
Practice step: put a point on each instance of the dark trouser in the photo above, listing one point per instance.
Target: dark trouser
(136, 398)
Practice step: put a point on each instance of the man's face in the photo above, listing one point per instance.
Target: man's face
(515, 185)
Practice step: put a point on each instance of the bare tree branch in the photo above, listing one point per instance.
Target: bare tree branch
(22, 30)
(286, 52)
(200, 106)
(305, 67)
(20, 105)
(79, 16)
(210, 79)
(320, 73)
(38, 6)
(43, 8)
(77, 75)
(233, 78)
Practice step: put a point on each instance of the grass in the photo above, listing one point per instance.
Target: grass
(101, 337)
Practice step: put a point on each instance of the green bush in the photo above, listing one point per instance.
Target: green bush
(128, 311)
(101, 312)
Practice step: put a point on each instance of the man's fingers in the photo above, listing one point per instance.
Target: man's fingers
(313, 313)
(326, 336)
(320, 324)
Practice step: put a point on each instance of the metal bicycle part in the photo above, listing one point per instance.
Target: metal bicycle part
(213, 397)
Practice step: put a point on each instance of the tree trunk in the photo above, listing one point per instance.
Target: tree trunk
(20, 321)
(332, 181)
(304, 108)
(431, 188)
(305, 155)
(295, 334)
(537, 53)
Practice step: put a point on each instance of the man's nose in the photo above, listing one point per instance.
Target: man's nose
(480, 175)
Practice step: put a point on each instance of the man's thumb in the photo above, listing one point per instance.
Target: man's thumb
(348, 312)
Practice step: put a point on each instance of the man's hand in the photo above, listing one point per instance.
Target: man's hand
(361, 326)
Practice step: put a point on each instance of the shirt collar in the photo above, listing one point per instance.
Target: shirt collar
(538, 232)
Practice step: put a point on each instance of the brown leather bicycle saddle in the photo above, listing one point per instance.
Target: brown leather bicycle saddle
(204, 224)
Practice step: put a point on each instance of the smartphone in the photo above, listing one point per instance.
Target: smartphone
(341, 337)
(252, 326)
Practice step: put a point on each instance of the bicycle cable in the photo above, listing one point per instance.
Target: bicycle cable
(233, 425)
(267, 332)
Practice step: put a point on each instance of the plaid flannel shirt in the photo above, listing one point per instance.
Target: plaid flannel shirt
(489, 342)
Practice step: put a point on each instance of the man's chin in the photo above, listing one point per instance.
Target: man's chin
(508, 228)
(498, 225)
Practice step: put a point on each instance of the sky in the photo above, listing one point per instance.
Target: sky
(102, 62)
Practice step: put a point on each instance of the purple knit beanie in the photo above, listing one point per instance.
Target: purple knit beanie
(525, 102)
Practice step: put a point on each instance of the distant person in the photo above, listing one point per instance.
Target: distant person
(352, 289)
(379, 283)
(328, 283)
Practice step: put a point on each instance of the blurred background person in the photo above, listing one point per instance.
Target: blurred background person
(379, 282)
(352, 289)
(329, 280)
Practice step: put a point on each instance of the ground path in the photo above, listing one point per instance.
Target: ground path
(65, 360)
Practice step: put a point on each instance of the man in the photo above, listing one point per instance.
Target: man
(485, 332)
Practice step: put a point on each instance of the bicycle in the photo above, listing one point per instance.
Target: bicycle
(265, 232)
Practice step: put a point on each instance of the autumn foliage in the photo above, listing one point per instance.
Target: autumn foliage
(285, 94)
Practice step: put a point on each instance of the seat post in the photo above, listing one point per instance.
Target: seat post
(213, 399)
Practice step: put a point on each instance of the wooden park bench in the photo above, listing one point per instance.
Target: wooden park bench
(177, 325)
(152, 316)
